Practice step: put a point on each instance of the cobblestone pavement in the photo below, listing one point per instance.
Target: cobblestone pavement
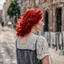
(7, 48)
(7, 52)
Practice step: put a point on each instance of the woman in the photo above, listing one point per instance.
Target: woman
(31, 48)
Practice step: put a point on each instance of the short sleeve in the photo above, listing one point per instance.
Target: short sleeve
(42, 48)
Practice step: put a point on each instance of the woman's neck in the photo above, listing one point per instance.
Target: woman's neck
(26, 37)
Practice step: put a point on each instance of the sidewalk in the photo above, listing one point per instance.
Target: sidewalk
(6, 28)
(7, 34)
(57, 59)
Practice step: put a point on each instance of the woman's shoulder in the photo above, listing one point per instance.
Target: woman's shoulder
(41, 40)
(41, 37)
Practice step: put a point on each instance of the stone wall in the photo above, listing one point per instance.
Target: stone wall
(51, 7)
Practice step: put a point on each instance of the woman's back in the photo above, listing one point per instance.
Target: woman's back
(35, 47)
(26, 53)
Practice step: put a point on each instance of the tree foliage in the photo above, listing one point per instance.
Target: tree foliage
(13, 9)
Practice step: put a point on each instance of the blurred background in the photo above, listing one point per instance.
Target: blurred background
(11, 10)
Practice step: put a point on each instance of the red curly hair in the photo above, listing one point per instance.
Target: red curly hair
(27, 21)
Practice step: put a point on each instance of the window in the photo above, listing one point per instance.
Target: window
(45, 0)
(30, 2)
(58, 19)
(46, 27)
(36, 2)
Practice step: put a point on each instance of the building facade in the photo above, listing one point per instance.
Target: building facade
(7, 6)
(0, 16)
(4, 13)
(27, 4)
(53, 15)
(22, 4)
(53, 12)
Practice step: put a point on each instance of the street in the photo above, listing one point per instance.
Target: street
(26, 11)
(7, 48)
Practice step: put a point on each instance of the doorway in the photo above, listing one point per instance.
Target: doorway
(46, 21)
(58, 19)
